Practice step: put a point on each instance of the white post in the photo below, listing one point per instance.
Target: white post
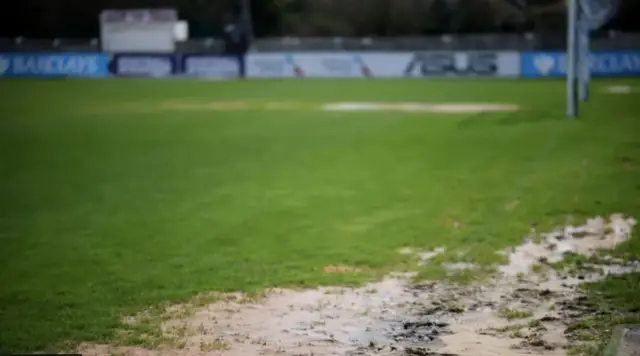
(572, 57)
(583, 60)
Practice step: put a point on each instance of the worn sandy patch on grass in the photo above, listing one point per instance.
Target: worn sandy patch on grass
(421, 107)
(243, 105)
(281, 105)
(186, 105)
(341, 269)
(519, 311)
(213, 105)
(619, 89)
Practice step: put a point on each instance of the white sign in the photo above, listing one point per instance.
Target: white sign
(382, 64)
(160, 67)
(326, 65)
(181, 31)
(211, 66)
(138, 30)
(464, 64)
(271, 65)
(5, 63)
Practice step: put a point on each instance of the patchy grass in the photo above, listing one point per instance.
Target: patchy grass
(478, 269)
(215, 345)
(572, 261)
(516, 331)
(513, 314)
(612, 301)
(461, 276)
(535, 324)
(510, 328)
(145, 329)
(114, 204)
(537, 268)
(454, 307)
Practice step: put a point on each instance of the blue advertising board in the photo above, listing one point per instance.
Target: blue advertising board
(54, 64)
(144, 65)
(602, 63)
(210, 66)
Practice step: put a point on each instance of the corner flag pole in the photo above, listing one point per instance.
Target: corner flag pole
(572, 58)
(583, 55)
(583, 16)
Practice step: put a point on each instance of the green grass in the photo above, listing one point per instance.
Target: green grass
(111, 204)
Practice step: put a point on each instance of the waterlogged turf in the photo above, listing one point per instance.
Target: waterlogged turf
(122, 194)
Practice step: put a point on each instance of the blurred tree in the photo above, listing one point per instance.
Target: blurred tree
(270, 16)
(76, 18)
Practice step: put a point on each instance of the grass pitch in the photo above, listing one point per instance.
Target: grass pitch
(115, 198)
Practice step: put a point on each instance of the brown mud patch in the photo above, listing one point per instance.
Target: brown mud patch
(523, 309)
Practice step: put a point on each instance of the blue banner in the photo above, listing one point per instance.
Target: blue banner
(157, 65)
(54, 65)
(601, 63)
(210, 66)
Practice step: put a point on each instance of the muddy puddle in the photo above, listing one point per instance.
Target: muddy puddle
(524, 309)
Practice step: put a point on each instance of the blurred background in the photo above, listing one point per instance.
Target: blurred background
(325, 24)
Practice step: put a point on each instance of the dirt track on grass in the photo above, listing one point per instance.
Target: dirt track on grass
(519, 311)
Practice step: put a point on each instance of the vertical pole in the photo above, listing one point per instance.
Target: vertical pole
(585, 71)
(572, 56)
(587, 64)
(246, 19)
(247, 29)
